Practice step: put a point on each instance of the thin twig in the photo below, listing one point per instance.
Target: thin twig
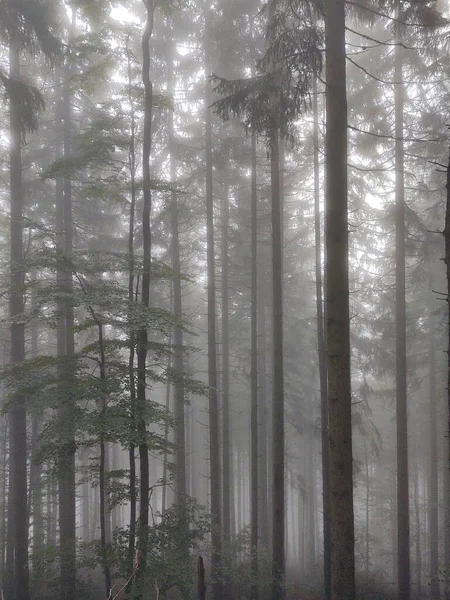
(111, 597)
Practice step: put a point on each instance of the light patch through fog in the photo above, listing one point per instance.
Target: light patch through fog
(123, 15)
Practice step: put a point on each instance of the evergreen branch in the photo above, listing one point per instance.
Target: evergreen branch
(439, 20)
(29, 100)
(379, 42)
(369, 74)
(392, 137)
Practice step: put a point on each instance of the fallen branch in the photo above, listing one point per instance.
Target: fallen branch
(131, 577)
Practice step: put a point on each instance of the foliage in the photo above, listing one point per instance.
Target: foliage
(277, 95)
(173, 541)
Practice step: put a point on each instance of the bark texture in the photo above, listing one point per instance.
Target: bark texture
(214, 447)
(337, 310)
(254, 379)
(403, 526)
(278, 493)
(142, 337)
(322, 352)
(66, 351)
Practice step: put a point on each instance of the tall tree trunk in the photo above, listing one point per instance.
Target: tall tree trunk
(35, 464)
(367, 519)
(178, 362)
(418, 535)
(214, 446)
(278, 506)
(403, 558)
(263, 418)
(10, 530)
(18, 416)
(433, 494)
(36, 491)
(115, 466)
(239, 492)
(142, 342)
(312, 503)
(337, 310)
(447, 487)
(132, 335)
(226, 434)
(4, 496)
(254, 378)
(322, 351)
(66, 350)
(85, 509)
(166, 429)
(105, 523)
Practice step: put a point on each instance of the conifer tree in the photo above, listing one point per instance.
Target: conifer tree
(337, 309)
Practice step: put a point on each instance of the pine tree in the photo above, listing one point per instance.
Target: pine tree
(24, 25)
(216, 535)
(337, 309)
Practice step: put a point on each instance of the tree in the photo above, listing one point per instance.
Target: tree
(212, 352)
(24, 25)
(278, 516)
(142, 337)
(18, 415)
(270, 102)
(254, 375)
(178, 360)
(337, 309)
(321, 347)
(447, 264)
(403, 564)
(65, 342)
(433, 513)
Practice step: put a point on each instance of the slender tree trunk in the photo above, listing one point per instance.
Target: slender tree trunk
(226, 434)
(108, 468)
(418, 535)
(166, 431)
(142, 342)
(114, 449)
(254, 379)
(104, 515)
(105, 523)
(263, 418)
(35, 465)
(403, 559)
(239, 492)
(9, 589)
(447, 490)
(433, 494)
(212, 357)
(278, 506)
(18, 415)
(132, 335)
(367, 520)
(178, 362)
(393, 515)
(36, 490)
(337, 310)
(311, 504)
(322, 351)
(66, 350)
(4, 496)
(48, 503)
(85, 510)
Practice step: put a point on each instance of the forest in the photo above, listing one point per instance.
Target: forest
(224, 299)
